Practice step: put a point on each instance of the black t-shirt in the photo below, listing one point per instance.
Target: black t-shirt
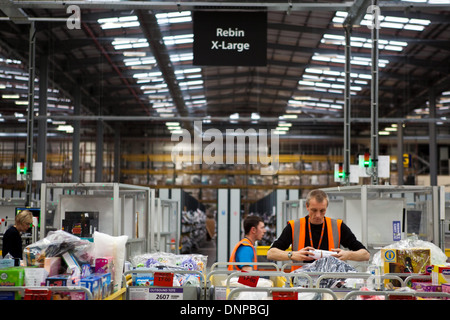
(12, 243)
(348, 239)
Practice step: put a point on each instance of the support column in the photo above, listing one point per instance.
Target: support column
(76, 137)
(99, 152)
(30, 117)
(42, 123)
(374, 95)
(347, 106)
(433, 141)
(117, 152)
(400, 152)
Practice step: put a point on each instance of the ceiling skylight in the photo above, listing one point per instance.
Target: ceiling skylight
(359, 42)
(362, 61)
(387, 21)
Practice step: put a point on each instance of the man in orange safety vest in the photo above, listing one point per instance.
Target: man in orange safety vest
(315, 231)
(244, 251)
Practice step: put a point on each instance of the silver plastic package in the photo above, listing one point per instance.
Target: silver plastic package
(327, 264)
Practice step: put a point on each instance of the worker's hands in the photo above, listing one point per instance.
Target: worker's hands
(342, 254)
(303, 254)
(359, 255)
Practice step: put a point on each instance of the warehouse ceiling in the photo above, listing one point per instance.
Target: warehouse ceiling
(130, 64)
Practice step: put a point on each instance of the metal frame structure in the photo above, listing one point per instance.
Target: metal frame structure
(51, 200)
(21, 14)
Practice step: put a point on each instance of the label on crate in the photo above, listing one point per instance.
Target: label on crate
(165, 294)
(149, 293)
(250, 281)
(163, 279)
(284, 295)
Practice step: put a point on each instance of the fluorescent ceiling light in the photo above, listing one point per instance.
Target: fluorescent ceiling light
(10, 96)
(289, 116)
(174, 17)
(255, 116)
(129, 43)
(66, 128)
(119, 22)
(180, 39)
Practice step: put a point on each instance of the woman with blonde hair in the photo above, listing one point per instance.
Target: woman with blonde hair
(12, 239)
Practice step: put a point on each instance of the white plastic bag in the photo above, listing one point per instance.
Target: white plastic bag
(109, 246)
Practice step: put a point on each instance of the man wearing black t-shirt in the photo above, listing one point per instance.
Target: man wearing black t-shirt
(316, 231)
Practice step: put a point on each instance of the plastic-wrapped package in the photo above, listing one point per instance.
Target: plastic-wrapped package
(55, 244)
(110, 246)
(327, 264)
(170, 261)
(437, 256)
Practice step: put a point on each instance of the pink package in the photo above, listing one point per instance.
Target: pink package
(104, 265)
(426, 287)
(52, 265)
(446, 287)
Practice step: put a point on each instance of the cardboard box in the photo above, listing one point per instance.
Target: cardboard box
(35, 277)
(405, 260)
(69, 295)
(12, 277)
(414, 260)
(106, 284)
(72, 264)
(6, 263)
(94, 284)
(446, 287)
(61, 280)
(37, 294)
(426, 287)
(440, 275)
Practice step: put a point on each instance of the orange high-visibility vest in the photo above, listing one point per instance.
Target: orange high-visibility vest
(299, 232)
(244, 242)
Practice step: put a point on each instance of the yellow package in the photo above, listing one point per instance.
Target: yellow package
(413, 260)
(440, 274)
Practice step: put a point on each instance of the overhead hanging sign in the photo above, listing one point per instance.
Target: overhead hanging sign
(230, 38)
